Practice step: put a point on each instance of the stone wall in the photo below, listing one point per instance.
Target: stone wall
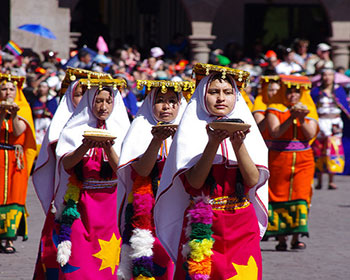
(48, 14)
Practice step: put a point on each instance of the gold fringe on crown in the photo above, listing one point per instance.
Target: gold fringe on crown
(267, 79)
(296, 81)
(186, 87)
(100, 83)
(72, 74)
(18, 81)
(241, 77)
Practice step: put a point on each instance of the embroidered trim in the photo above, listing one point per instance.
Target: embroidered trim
(292, 145)
(97, 184)
(228, 203)
(292, 175)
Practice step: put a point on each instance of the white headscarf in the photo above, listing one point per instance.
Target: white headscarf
(44, 172)
(136, 143)
(84, 119)
(188, 145)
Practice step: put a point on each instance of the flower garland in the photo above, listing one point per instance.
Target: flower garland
(198, 249)
(69, 215)
(138, 239)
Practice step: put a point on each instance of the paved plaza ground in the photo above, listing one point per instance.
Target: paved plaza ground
(327, 256)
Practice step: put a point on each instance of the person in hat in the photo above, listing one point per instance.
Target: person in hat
(334, 112)
(155, 60)
(292, 124)
(50, 60)
(271, 61)
(76, 242)
(208, 213)
(45, 172)
(17, 153)
(322, 59)
(288, 65)
(143, 155)
(269, 86)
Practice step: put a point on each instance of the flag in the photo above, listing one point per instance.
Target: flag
(14, 48)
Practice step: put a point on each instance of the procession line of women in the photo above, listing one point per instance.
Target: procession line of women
(160, 200)
(167, 197)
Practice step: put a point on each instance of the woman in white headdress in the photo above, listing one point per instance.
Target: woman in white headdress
(213, 194)
(84, 241)
(45, 167)
(143, 155)
(44, 172)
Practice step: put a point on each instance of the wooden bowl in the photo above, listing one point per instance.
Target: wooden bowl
(301, 109)
(6, 105)
(230, 127)
(99, 138)
(166, 125)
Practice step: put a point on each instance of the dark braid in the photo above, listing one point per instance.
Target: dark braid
(211, 182)
(106, 171)
(78, 170)
(155, 178)
(239, 188)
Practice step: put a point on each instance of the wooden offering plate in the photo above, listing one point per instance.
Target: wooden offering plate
(300, 107)
(98, 135)
(6, 104)
(166, 125)
(230, 125)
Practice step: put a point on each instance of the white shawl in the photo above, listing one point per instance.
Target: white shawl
(44, 172)
(188, 146)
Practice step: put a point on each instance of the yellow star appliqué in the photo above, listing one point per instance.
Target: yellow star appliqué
(249, 271)
(109, 253)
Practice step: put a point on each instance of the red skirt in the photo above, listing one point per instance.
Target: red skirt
(236, 250)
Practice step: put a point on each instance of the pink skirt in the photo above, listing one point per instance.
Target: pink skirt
(95, 238)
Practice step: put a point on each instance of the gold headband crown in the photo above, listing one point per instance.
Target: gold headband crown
(100, 83)
(267, 79)
(241, 77)
(186, 87)
(18, 81)
(72, 74)
(295, 81)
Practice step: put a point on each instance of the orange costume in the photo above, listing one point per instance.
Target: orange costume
(247, 100)
(291, 165)
(16, 159)
(262, 100)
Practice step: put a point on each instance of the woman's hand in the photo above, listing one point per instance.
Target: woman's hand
(238, 137)
(89, 144)
(216, 136)
(299, 114)
(107, 145)
(13, 109)
(162, 133)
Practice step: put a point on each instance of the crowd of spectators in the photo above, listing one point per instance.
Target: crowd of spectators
(44, 72)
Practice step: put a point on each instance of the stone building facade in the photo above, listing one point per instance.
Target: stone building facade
(49, 14)
(207, 23)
